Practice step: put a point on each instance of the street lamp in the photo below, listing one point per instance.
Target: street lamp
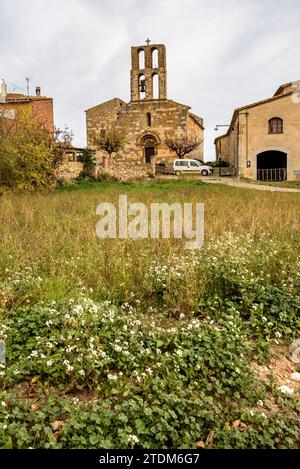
(221, 125)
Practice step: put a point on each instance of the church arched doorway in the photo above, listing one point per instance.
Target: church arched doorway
(271, 166)
(149, 143)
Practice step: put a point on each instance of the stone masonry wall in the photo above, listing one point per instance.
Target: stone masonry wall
(259, 138)
(127, 170)
(68, 171)
(195, 132)
(168, 119)
(102, 117)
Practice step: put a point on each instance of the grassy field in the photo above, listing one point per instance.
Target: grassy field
(140, 343)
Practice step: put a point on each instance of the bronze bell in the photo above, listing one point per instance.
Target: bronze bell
(143, 86)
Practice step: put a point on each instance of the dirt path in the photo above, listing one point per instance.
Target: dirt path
(235, 183)
(246, 185)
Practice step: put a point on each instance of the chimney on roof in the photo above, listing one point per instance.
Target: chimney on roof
(3, 92)
(38, 91)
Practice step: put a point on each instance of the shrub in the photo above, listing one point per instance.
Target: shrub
(27, 154)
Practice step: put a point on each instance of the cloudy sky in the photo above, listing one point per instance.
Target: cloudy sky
(220, 55)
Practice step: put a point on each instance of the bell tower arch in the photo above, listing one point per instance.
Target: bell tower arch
(148, 75)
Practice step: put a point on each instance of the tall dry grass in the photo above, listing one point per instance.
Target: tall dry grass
(52, 235)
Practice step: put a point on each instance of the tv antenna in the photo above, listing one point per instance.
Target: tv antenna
(27, 82)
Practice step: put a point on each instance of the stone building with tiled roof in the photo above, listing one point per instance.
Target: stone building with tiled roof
(263, 138)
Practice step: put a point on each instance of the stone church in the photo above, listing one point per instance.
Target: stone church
(148, 119)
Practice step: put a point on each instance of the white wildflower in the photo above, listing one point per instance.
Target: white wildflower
(133, 439)
(286, 390)
(112, 377)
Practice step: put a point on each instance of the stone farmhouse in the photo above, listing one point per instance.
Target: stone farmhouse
(147, 120)
(263, 138)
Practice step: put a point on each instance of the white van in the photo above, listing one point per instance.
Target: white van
(191, 166)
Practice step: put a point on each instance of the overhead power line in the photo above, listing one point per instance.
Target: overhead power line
(15, 87)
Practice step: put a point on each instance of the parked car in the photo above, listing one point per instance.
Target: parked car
(191, 166)
(200, 161)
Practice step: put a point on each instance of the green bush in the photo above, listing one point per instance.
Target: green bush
(27, 159)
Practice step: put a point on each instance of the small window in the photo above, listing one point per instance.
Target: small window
(194, 163)
(149, 119)
(275, 125)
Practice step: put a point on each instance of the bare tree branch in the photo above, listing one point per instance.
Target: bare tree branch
(182, 146)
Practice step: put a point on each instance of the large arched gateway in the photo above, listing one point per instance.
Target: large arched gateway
(271, 166)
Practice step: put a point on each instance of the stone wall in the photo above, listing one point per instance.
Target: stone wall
(223, 149)
(148, 71)
(254, 136)
(197, 133)
(260, 140)
(169, 119)
(102, 117)
(68, 171)
(127, 170)
(148, 119)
